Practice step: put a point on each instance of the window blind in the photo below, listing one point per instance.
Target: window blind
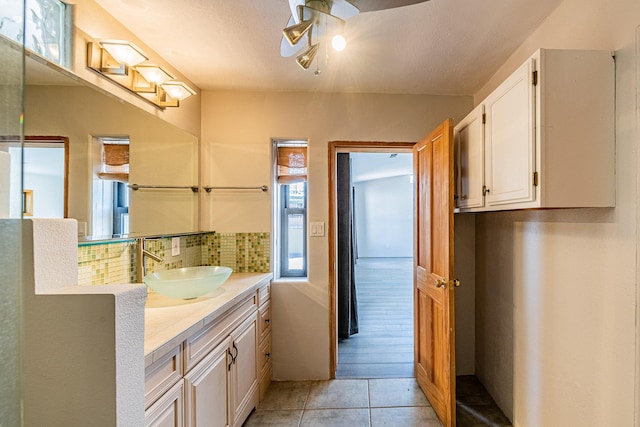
(292, 164)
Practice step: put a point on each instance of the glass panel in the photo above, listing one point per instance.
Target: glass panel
(295, 242)
(11, 93)
(45, 28)
(297, 197)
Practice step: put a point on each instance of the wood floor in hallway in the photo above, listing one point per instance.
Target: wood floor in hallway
(383, 347)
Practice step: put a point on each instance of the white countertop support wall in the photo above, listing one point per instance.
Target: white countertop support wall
(84, 360)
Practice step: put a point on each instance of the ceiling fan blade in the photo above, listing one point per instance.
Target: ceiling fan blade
(373, 5)
(286, 49)
(343, 9)
(293, 5)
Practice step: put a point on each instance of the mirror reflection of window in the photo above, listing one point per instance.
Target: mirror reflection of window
(109, 193)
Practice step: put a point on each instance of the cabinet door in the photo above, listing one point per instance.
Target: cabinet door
(244, 373)
(469, 147)
(168, 411)
(206, 389)
(510, 139)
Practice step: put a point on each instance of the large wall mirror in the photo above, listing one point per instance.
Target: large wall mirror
(61, 107)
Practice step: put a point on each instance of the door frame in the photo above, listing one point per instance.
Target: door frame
(336, 147)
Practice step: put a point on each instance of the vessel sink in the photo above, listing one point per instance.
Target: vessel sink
(188, 282)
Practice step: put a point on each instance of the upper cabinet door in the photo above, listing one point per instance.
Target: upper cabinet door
(469, 158)
(510, 139)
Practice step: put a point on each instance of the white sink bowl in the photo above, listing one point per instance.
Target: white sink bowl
(188, 282)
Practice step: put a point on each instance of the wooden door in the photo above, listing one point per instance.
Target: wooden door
(434, 346)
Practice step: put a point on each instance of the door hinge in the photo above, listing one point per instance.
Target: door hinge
(484, 118)
(535, 179)
(534, 78)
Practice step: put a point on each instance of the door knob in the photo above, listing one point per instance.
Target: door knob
(456, 283)
(442, 283)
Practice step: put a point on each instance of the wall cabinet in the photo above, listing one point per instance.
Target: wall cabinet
(469, 160)
(215, 377)
(547, 137)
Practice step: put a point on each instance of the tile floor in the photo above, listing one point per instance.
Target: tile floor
(344, 402)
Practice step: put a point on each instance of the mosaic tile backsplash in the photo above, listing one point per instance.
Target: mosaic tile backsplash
(114, 262)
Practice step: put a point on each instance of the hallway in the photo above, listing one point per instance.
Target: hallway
(383, 347)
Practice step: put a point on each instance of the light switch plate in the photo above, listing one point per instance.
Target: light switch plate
(316, 229)
(175, 246)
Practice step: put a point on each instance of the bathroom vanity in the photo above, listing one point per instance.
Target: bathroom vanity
(208, 358)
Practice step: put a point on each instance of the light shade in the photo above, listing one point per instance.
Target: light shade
(154, 73)
(124, 51)
(294, 33)
(177, 90)
(305, 59)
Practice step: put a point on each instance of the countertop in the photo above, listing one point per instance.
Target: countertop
(169, 321)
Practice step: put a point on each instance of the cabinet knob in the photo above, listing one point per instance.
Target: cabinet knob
(266, 321)
(485, 190)
(268, 355)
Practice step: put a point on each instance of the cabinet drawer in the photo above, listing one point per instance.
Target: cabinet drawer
(264, 293)
(201, 343)
(264, 321)
(264, 355)
(161, 375)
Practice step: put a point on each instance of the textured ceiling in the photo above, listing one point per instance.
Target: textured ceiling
(446, 47)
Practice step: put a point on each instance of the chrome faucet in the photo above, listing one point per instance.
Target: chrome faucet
(141, 266)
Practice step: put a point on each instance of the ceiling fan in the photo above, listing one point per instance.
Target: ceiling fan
(321, 20)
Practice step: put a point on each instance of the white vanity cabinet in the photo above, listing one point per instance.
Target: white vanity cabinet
(264, 364)
(548, 137)
(221, 390)
(215, 374)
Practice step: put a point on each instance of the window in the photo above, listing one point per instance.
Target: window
(291, 206)
(46, 30)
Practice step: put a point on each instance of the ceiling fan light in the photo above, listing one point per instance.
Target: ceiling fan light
(294, 33)
(305, 59)
(338, 42)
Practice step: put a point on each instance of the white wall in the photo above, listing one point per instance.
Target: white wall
(556, 290)
(236, 143)
(384, 217)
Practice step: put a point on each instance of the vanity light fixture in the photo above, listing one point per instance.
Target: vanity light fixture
(171, 93)
(146, 77)
(115, 56)
(124, 63)
(178, 90)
